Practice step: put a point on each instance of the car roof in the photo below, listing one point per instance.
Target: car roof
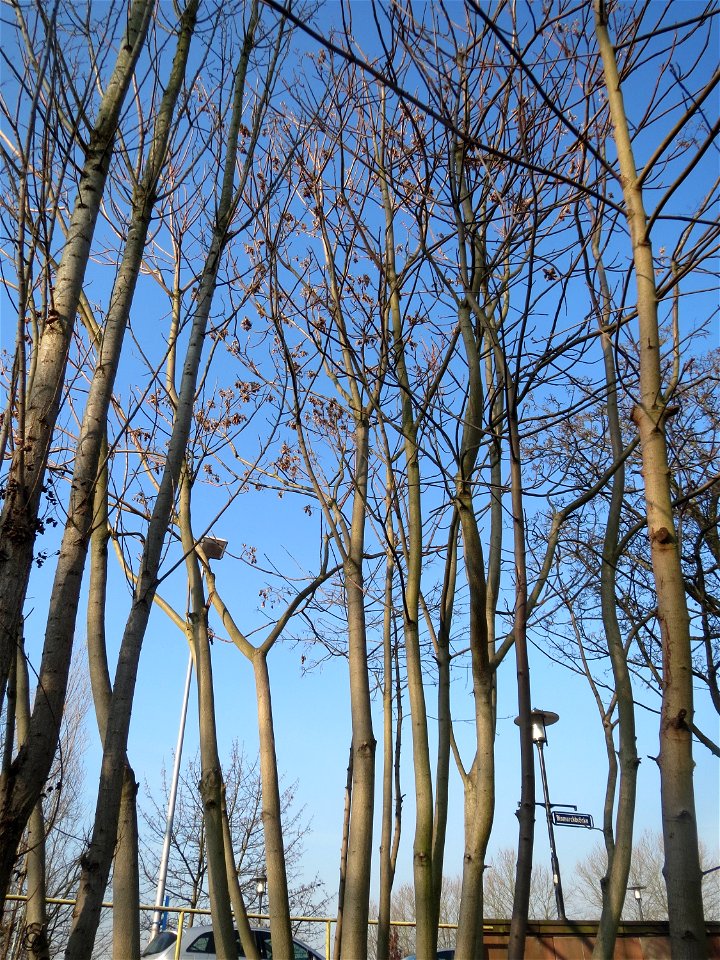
(207, 928)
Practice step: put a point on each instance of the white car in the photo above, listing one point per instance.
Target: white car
(199, 942)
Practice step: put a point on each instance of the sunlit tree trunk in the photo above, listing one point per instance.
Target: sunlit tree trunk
(279, 907)
(425, 908)
(392, 796)
(20, 787)
(526, 809)
(126, 877)
(682, 865)
(357, 878)
(387, 866)
(211, 784)
(35, 933)
(618, 842)
(98, 857)
(242, 924)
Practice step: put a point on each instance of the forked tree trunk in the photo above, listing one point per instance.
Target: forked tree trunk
(682, 872)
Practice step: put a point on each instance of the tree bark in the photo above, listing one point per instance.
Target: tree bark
(36, 931)
(20, 511)
(99, 854)
(279, 907)
(20, 788)
(126, 879)
(618, 843)
(343, 857)
(526, 810)
(357, 879)
(211, 786)
(682, 872)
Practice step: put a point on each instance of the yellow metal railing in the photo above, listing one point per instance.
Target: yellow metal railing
(183, 912)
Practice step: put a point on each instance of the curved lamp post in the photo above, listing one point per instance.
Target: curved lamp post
(540, 719)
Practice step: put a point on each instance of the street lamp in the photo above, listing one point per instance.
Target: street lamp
(636, 889)
(214, 549)
(540, 719)
(260, 887)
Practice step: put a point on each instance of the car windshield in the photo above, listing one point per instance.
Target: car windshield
(159, 943)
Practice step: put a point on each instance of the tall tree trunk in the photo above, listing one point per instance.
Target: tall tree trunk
(618, 843)
(343, 857)
(98, 857)
(242, 924)
(682, 872)
(279, 906)
(526, 810)
(390, 837)
(126, 874)
(35, 933)
(479, 782)
(425, 909)
(211, 786)
(126, 878)
(20, 787)
(357, 879)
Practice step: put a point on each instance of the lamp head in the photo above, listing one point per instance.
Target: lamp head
(213, 547)
(540, 719)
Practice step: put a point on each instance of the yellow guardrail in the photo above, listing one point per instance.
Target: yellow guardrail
(183, 912)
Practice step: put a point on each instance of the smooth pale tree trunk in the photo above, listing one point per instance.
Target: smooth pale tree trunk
(343, 857)
(98, 857)
(386, 866)
(479, 781)
(279, 906)
(242, 923)
(20, 786)
(350, 540)
(618, 843)
(126, 876)
(357, 878)
(682, 871)
(271, 802)
(35, 933)
(126, 873)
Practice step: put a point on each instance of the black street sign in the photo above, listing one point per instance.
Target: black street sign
(562, 819)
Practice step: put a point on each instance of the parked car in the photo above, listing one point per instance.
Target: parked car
(444, 954)
(198, 943)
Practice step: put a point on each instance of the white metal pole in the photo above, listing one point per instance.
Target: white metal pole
(162, 875)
